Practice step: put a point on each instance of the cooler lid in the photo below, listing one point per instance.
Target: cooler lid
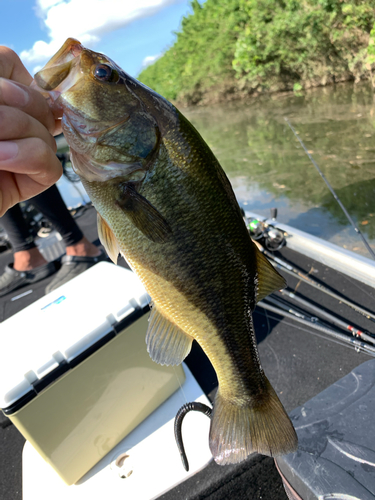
(57, 329)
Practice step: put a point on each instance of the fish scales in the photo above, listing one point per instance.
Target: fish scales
(184, 261)
(165, 203)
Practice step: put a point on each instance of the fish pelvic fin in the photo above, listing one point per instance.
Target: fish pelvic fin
(166, 343)
(108, 239)
(269, 280)
(143, 214)
(262, 426)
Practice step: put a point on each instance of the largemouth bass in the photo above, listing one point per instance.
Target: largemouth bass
(164, 202)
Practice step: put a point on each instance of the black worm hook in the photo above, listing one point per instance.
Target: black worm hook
(194, 406)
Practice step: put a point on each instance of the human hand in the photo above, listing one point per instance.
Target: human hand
(28, 164)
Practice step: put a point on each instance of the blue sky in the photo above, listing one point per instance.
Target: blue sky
(128, 31)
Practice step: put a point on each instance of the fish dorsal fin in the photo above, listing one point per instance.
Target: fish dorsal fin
(166, 343)
(269, 280)
(108, 239)
(144, 215)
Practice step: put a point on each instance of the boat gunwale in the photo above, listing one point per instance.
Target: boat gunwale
(345, 261)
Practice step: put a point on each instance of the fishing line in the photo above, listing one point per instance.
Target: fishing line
(356, 229)
(268, 324)
(353, 282)
(179, 383)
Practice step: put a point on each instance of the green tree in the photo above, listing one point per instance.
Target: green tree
(309, 41)
(202, 55)
(241, 46)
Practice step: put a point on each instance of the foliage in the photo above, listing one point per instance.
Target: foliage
(202, 54)
(371, 47)
(311, 41)
(244, 46)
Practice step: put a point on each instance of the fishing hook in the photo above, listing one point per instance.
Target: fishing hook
(194, 406)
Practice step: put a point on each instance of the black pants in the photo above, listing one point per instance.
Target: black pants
(53, 207)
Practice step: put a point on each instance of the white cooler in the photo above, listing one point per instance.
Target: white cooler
(75, 375)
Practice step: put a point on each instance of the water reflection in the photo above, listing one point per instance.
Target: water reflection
(268, 167)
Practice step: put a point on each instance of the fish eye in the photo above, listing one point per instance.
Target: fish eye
(105, 73)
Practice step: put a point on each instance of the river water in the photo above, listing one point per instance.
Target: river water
(268, 167)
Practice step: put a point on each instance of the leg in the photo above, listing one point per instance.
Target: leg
(81, 254)
(51, 204)
(29, 265)
(26, 254)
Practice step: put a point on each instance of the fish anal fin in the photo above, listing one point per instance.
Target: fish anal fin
(143, 214)
(263, 426)
(166, 343)
(108, 239)
(269, 280)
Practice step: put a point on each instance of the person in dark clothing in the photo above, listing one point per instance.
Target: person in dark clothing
(29, 265)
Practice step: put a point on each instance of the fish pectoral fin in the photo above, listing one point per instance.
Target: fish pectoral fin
(166, 343)
(144, 215)
(269, 280)
(108, 239)
(240, 428)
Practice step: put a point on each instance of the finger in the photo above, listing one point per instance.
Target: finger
(12, 67)
(15, 124)
(31, 156)
(58, 129)
(30, 101)
(30, 169)
(15, 188)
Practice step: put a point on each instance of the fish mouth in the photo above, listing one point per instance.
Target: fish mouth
(60, 74)
(62, 71)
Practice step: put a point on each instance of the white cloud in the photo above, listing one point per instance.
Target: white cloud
(37, 68)
(85, 20)
(150, 60)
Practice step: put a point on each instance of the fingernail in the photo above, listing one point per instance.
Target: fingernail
(12, 94)
(8, 150)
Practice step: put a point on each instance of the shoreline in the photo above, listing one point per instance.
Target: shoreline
(228, 93)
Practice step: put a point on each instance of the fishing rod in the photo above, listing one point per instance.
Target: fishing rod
(356, 229)
(257, 233)
(330, 317)
(285, 306)
(284, 266)
(288, 308)
(357, 344)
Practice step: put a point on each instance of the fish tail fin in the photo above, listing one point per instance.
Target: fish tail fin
(239, 429)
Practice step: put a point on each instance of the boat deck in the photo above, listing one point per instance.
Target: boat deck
(298, 361)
